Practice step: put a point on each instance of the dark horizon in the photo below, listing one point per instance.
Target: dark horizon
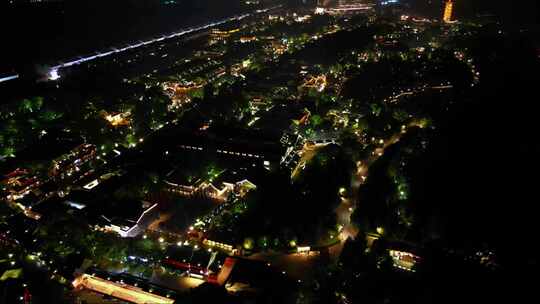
(517, 13)
(40, 34)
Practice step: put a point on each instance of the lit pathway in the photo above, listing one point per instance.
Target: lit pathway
(346, 208)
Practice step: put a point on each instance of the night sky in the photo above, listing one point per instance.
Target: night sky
(516, 12)
(83, 26)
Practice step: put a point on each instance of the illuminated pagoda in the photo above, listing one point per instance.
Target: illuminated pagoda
(448, 11)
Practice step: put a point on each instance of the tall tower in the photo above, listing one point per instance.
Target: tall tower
(448, 11)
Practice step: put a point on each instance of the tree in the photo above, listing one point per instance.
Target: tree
(248, 243)
(316, 120)
(400, 115)
(31, 105)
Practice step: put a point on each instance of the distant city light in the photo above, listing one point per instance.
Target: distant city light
(387, 2)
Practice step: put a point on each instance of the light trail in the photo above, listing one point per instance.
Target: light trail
(8, 78)
(53, 72)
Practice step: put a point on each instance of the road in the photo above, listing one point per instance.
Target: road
(346, 208)
(308, 152)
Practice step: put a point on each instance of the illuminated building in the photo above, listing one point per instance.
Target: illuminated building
(448, 11)
(278, 48)
(217, 35)
(301, 19)
(404, 260)
(129, 225)
(246, 39)
(181, 94)
(71, 162)
(209, 190)
(306, 250)
(118, 290)
(219, 245)
(226, 271)
(318, 83)
(319, 11)
(19, 183)
(118, 119)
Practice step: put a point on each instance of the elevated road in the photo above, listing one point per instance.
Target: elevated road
(53, 71)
